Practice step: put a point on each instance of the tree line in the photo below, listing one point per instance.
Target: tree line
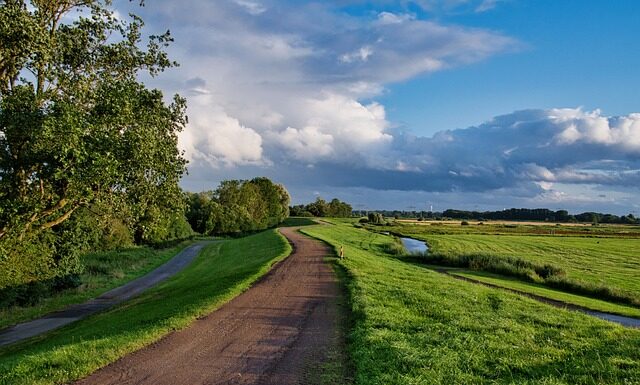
(238, 206)
(513, 214)
(321, 208)
(544, 215)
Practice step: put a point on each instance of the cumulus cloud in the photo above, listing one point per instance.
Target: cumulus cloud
(271, 93)
(218, 139)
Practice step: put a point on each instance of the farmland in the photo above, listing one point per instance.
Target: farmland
(413, 325)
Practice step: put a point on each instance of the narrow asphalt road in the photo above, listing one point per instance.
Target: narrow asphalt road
(113, 297)
(274, 333)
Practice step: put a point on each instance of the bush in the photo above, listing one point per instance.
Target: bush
(464, 223)
(376, 218)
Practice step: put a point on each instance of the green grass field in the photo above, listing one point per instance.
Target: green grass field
(222, 271)
(103, 272)
(541, 290)
(412, 325)
(608, 257)
(609, 261)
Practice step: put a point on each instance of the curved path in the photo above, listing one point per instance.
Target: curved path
(113, 297)
(274, 333)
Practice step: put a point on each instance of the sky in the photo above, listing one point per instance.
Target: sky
(411, 105)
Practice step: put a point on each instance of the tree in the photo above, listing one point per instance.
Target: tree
(77, 128)
(238, 205)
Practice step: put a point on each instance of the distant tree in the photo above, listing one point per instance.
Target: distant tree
(376, 218)
(237, 206)
(319, 208)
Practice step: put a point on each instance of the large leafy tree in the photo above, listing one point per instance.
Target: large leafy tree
(77, 127)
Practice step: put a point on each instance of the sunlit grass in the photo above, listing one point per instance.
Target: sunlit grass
(219, 273)
(415, 326)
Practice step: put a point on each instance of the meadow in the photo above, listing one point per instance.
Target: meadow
(413, 325)
(601, 262)
(221, 271)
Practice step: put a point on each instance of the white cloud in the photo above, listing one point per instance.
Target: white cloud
(337, 128)
(393, 18)
(253, 7)
(218, 139)
(361, 54)
(591, 127)
(486, 5)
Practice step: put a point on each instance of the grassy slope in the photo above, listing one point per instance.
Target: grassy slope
(103, 272)
(610, 261)
(415, 326)
(541, 290)
(222, 271)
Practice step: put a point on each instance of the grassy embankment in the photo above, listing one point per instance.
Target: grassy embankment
(415, 326)
(103, 271)
(546, 292)
(222, 271)
(603, 265)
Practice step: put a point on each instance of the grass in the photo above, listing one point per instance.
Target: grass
(541, 290)
(604, 266)
(103, 272)
(297, 221)
(415, 326)
(221, 271)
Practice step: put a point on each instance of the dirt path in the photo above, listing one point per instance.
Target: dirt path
(271, 334)
(111, 298)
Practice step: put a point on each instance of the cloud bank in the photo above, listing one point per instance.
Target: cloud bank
(288, 90)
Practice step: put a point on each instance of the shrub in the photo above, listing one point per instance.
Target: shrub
(464, 223)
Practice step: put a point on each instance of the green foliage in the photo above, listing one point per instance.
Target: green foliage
(102, 271)
(238, 206)
(320, 208)
(376, 218)
(79, 131)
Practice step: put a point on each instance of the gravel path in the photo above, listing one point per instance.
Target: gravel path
(113, 297)
(274, 333)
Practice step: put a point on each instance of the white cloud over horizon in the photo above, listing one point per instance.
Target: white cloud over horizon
(271, 93)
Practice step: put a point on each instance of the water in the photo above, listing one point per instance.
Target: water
(414, 245)
(622, 320)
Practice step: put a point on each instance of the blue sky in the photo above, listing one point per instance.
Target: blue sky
(575, 53)
(474, 104)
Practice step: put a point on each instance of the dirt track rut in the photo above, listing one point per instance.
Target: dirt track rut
(271, 334)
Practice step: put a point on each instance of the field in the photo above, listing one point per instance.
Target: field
(546, 292)
(601, 262)
(412, 325)
(219, 273)
(103, 271)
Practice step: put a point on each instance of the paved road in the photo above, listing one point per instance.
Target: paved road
(113, 297)
(271, 334)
